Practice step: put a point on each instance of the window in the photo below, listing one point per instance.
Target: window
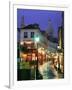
(25, 34)
(32, 34)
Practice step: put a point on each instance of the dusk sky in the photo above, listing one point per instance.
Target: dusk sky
(40, 17)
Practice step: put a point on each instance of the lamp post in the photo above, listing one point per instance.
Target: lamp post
(37, 40)
(59, 50)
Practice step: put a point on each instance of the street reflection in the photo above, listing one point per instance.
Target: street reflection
(51, 68)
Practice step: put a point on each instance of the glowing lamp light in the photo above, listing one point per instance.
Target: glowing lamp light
(21, 43)
(39, 50)
(37, 39)
(58, 47)
(43, 52)
(24, 55)
(28, 42)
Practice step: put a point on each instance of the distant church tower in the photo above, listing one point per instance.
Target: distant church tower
(62, 20)
(50, 30)
(61, 33)
(22, 22)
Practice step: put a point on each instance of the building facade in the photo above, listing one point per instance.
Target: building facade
(29, 48)
(61, 38)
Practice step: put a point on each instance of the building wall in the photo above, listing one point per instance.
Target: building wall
(43, 40)
(29, 34)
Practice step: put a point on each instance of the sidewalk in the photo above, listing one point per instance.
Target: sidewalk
(47, 73)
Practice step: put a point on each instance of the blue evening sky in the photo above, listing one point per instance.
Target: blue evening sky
(40, 17)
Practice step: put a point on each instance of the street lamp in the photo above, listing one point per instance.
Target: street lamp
(37, 39)
(59, 51)
(21, 43)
